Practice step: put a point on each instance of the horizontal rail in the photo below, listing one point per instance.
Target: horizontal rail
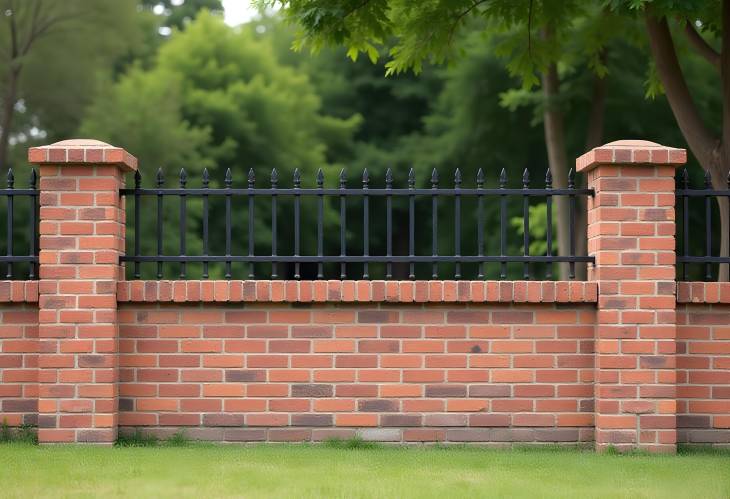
(357, 259)
(357, 192)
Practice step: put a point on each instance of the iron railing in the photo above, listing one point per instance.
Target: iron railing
(16, 236)
(366, 195)
(705, 223)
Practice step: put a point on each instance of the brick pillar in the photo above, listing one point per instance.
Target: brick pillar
(81, 238)
(631, 234)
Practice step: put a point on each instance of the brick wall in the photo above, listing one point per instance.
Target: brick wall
(628, 359)
(393, 371)
(703, 363)
(18, 353)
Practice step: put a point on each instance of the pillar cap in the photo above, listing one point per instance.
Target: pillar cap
(631, 152)
(82, 152)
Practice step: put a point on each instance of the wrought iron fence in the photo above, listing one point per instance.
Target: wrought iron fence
(699, 255)
(21, 241)
(343, 197)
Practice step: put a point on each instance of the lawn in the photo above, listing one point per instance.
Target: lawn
(328, 471)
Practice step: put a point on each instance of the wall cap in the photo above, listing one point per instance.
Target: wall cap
(631, 152)
(335, 291)
(81, 152)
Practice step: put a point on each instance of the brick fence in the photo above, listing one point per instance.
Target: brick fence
(628, 358)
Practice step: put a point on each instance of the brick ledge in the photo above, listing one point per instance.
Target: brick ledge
(703, 292)
(18, 291)
(359, 291)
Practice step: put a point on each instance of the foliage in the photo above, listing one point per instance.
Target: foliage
(57, 74)
(217, 98)
(25, 433)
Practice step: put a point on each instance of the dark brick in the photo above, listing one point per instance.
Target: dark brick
(93, 360)
(686, 421)
(469, 435)
(223, 419)
(556, 435)
(311, 390)
(441, 391)
(244, 435)
(377, 405)
(377, 316)
(46, 421)
(489, 391)
(19, 405)
(126, 404)
(245, 375)
(311, 420)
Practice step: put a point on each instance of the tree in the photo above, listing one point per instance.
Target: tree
(703, 23)
(49, 65)
(217, 98)
(535, 38)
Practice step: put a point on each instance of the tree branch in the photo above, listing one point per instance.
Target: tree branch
(701, 45)
(699, 138)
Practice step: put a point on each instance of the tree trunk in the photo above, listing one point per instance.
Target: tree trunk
(710, 151)
(557, 159)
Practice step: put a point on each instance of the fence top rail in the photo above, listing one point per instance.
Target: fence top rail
(356, 192)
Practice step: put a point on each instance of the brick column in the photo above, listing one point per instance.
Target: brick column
(631, 234)
(81, 238)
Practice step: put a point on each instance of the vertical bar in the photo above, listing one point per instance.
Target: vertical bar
(389, 223)
(33, 223)
(434, 224)
(457, 224)
(503, 222)
(549, 223)
(320, 224)
(708, 226)
(411, 223)
(137, 218)
(183, 220)
(160, 183)
(480, 221)
(571, 226)
(526, 224)
(685, 222)
(11, 200)
(227, 182)
(206, 181)
(297, 185)
(251, 183)
(274, 182)
(343, 222)
(365, 223)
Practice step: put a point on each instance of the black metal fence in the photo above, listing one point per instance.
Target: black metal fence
(21, 239)
(286, 212)
(699, 230)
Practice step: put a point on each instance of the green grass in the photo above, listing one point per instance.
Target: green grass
(339, 470)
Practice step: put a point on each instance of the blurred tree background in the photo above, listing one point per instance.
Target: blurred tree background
(530, 86)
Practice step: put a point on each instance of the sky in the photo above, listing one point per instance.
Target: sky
(238, 11)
